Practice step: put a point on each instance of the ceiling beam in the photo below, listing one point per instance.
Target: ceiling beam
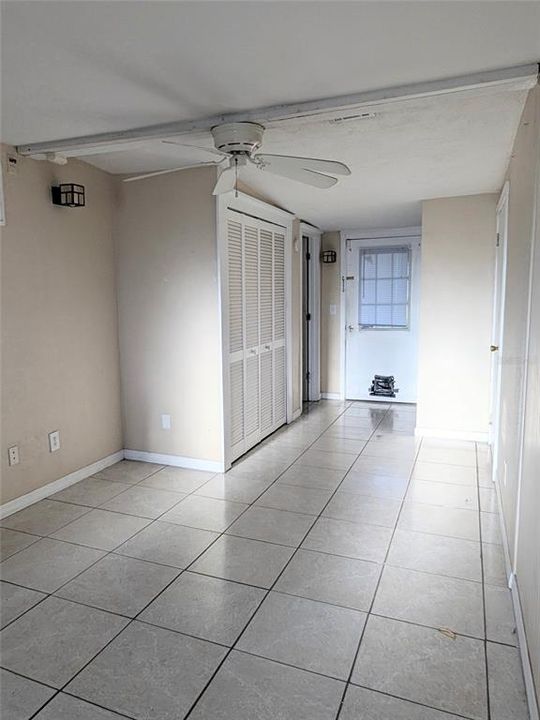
(105, 142)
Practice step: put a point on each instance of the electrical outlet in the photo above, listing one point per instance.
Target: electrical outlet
(13, 455)
(54, 441)
(165, 422)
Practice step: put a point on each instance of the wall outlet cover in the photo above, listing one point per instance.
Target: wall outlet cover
(54, 441)
(165, 422)
(13, 455)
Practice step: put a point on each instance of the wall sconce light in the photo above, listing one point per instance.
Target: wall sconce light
(68, 195)
(328, 256)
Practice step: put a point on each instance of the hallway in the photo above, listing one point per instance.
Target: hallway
(342, 569)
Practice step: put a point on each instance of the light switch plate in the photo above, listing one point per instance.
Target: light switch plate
(13, 455)
(54, 441)
(333, 310)
(165, 422)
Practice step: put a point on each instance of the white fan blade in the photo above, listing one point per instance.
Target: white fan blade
(167, 172)
(226, 181)
(212, 151)
(308, 177)
(331, 167)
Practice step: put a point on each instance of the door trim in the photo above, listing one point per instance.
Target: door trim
(376, 235)
(314, 235)
(243, 203)
(495, 399)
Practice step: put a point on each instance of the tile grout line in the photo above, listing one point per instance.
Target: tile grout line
(297, 548)
(130, 620)
(269, 590)
(181, 570)
(243, 652)
(383, 565)
(249, 505)
(170, 583)
(486, 665)
(365, 442)
(151, 522)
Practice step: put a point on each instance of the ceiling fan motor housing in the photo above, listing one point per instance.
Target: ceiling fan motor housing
(238, 138)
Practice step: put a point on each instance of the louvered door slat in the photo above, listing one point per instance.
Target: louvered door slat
(280, 386)
(251, 286)
(267, 391)
(266, 290)
(236, 325)
(279, 286)
(251, 400)
(237, 401)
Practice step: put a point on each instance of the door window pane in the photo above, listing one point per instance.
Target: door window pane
(384, 296)
(367, 316)
(368, 290)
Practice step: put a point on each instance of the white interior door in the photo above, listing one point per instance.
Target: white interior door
(382, 303)
(257, 348)
(498, 324)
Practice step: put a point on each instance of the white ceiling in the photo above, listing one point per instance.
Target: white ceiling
(74, 68)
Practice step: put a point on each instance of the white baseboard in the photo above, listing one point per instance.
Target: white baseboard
(175, 460)
(518, 616)
(55, 486)
(331, 396)
(470, 436)
(524, 651)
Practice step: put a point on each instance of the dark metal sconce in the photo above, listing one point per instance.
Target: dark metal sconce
(68, 195)
(328, 256)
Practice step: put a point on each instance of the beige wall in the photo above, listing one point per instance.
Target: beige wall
(169, 315)
(521, 495)
(330, 324)
(60, 366)
(454, 364)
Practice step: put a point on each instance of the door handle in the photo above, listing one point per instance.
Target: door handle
(493, 348)
(350, 328)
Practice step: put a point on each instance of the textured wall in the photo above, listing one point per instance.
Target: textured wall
(60, 368)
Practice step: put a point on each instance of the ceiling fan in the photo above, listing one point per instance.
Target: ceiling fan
(237, 144)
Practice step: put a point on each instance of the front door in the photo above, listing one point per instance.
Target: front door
(382, 300)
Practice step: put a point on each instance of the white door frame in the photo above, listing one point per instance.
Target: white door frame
(314, 235)
(497, 329)
(376, 234)
(243, 203)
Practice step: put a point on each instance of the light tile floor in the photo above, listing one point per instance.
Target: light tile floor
(342, 569)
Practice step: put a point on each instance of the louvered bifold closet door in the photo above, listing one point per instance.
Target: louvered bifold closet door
(236, 335)
(266, 304)
(279, 349)
(252, 415)
(256, 275)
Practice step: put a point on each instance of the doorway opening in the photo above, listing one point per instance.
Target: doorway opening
(495, 438)
(381, 283)
(310, 248)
